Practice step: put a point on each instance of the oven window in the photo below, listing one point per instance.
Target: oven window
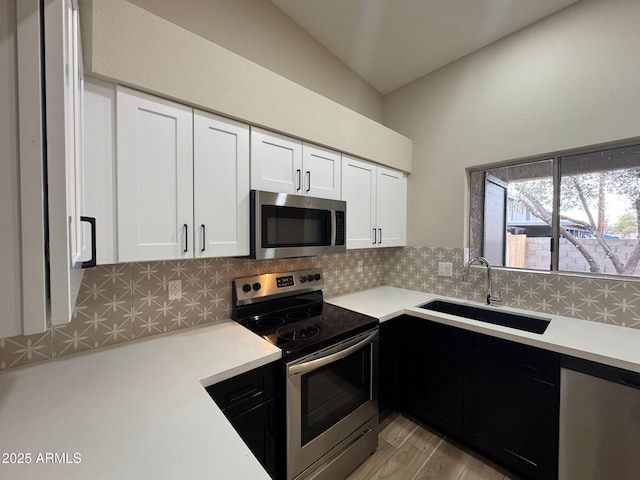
(332, 392)
(295, 227)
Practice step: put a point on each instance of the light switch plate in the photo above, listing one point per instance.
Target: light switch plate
(445, 269)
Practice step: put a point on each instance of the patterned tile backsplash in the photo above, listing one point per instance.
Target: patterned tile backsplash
(123, 302)
(616, 302)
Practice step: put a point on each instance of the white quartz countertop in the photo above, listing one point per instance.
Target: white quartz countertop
(132, 411)
(602, 343)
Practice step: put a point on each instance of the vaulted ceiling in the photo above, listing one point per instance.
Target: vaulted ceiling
(390, 43)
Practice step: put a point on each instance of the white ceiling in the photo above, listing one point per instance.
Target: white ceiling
(390, 43)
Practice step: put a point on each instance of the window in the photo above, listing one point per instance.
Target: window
(570, 213)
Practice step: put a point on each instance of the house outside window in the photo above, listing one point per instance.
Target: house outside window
(574, 212)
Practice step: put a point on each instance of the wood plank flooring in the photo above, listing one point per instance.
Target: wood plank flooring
(409, 451)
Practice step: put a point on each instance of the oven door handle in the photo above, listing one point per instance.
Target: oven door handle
(312, 365)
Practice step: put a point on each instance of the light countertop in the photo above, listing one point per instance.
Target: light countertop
(139, 410)
(599, 342)
(133, 411)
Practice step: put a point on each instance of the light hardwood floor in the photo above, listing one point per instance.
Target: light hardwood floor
(408, 451)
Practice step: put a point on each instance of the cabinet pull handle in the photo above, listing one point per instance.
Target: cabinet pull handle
(309, 180)
(243, 393)
(204, 238)
(186, 237)
(630, 381)
(299, 175)
(92, 261)
(380, 239)
(374, 236)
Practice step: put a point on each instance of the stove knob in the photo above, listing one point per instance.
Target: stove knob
(303, 279)
(317, 276)
(310, 277)
(257, 286)
(246, 288)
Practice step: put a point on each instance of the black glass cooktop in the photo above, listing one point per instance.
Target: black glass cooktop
(305, 327)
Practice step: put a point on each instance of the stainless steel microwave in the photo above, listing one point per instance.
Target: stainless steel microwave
(284, 225)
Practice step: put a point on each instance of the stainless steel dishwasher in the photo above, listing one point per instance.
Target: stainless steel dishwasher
(599, 422)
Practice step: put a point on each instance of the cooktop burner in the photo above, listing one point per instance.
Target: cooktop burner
(291, 314)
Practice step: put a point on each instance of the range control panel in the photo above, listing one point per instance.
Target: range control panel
(262, 287)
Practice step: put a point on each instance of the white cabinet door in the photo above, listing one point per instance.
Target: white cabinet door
(221, 186)
(321, 172)
(276, 162)
(63, 87)
(359, 191)
(154, 178)
(99, 168)
(391, 207)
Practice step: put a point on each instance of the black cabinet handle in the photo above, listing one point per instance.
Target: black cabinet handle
(380, 239)
(299, 175)
(204, 238)
(374, 236)
(91, 262)
(186, 237)
(271, 427)
(309, 180)
(243, 393)
(630, 381)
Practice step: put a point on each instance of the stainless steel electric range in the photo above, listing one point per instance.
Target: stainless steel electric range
(330, 363)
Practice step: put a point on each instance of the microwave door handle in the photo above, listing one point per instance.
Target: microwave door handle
(312, 365)
(334, 232)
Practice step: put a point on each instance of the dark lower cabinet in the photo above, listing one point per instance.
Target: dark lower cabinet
(512, 418)
(388, 344)
(258, 430)
(498, 397)
(253, 403)
(435, 369)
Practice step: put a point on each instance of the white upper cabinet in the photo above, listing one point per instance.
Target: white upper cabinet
(376, 204)
(182, 180)
(391, 207)
(283, 164)
(154, 178)
(221, 186)
(276, 162)
(359, 191)
(322, 172)
(99, 102)
(63, 93)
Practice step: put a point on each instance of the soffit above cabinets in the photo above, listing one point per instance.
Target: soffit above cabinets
(390, 43)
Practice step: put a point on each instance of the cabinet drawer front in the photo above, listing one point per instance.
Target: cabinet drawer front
(523, 359)
(243, 392)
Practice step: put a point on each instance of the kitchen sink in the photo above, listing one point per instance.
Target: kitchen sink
(511, 320)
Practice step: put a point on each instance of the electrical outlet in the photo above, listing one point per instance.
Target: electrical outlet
(175, 289)
(445, 269)
(360, 268)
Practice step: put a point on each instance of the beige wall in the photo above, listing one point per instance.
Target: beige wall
(128, 45)
(572, 79)
(262, 33)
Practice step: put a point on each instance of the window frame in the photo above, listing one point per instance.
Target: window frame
(555, 157)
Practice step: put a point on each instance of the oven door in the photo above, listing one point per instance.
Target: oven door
(330, 394)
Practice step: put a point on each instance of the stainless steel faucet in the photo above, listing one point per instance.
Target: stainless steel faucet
(491, 299)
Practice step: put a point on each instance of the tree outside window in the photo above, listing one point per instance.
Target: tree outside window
(593, 221)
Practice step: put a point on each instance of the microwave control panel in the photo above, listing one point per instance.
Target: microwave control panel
(339, 228)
